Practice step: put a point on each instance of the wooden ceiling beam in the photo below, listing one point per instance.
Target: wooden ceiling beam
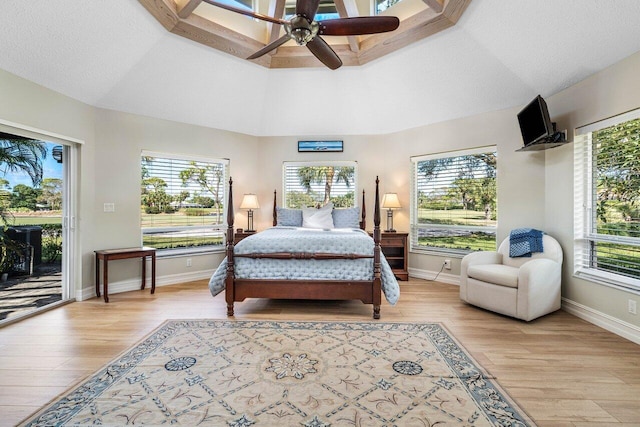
(163, 10)
(186, 7)
(348, 9)
(436, 5)
(367, 48)
(276, 10)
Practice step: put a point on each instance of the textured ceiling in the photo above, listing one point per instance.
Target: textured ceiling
(114, 54)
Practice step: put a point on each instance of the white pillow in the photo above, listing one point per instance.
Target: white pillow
(318, 218)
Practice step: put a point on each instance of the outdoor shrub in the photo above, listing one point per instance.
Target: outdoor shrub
(195, 212)
(51, 242)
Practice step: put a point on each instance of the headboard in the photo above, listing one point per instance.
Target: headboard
(363, 210)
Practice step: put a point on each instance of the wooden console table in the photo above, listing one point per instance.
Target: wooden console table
(125, 253)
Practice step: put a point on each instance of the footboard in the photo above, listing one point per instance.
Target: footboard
(367, 291)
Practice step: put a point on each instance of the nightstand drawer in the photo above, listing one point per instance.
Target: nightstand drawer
(398, 241)
(238, 236)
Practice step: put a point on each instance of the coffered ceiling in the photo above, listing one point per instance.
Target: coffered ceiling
(500, 54)
(241, 36)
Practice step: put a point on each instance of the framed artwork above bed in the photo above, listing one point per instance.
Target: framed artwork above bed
(320, 146)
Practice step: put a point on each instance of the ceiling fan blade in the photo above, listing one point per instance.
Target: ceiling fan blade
(273, 45)
(246, 12)
(324, 53)
(358, 25)
(307, 8)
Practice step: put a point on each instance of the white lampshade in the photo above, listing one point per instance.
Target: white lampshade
(390, 201)
(249, 201)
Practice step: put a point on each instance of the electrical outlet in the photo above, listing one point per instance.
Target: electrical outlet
(188, 262)
(447, 264)
(109, 207)
(632, 307)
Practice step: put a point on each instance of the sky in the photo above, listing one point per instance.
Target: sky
(51, 168)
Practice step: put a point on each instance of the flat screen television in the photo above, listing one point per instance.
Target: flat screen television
(535, 124)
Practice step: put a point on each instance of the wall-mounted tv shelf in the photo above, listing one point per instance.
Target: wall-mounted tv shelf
(556, 140)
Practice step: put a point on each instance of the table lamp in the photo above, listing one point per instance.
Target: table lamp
(250, 202)
(390, 202)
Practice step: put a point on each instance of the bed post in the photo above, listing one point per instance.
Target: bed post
(377, 287)
(275, 211)
(363, 213)
(229, 289)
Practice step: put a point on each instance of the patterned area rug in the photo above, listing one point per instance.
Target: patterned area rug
(244, 373)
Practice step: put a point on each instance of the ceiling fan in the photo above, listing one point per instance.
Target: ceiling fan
(306, 31)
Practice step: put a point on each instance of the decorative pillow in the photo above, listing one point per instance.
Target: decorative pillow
(289, 217)
(318, 218)
(346, 218)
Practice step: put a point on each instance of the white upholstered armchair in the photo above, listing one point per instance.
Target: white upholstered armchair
(525, 288)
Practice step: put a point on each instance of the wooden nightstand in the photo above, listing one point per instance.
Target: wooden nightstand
(395, 249)
(239, 236)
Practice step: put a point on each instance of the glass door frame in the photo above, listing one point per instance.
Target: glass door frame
(71, 267)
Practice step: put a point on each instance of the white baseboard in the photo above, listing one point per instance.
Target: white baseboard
(452, 279)
(610, 323)
(88, 292)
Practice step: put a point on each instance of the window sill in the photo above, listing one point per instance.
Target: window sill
(453, 253)
(615, 281)
(177, 253)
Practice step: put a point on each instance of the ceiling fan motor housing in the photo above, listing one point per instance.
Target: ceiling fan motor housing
(301, 30)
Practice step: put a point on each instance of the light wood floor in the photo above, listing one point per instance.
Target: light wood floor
(561, 370)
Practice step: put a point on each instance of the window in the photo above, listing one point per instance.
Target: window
(326, 10)
(316, 183)
(607, 201)
(453, 204)
(382, 5)
(182, 202)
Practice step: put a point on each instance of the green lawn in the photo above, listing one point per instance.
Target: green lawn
(34, 220)
(163, 242)
(477, 241)
(473, 242)
(454, 217)
(179, 219)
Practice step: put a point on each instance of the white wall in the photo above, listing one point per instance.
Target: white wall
(534, 189)
(30, 105)
(110, 172)
(520, 175)
(120, 139)
(608, 93)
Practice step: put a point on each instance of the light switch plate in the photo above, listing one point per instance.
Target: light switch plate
(109, 207)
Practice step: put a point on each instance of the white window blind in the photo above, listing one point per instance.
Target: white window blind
(607, 201)
(454, 203)
(309, 184)
(182, 201)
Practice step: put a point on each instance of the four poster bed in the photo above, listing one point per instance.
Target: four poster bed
(307, 263)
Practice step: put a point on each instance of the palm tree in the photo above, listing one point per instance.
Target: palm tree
(324, 175)
(18, 153)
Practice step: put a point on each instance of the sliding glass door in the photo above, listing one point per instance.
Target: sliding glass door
(37, 210)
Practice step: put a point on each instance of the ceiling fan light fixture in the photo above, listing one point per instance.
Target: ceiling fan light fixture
(301, 30)
(301, 35)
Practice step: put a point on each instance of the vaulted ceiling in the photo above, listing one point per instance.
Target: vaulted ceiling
(500, 54)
